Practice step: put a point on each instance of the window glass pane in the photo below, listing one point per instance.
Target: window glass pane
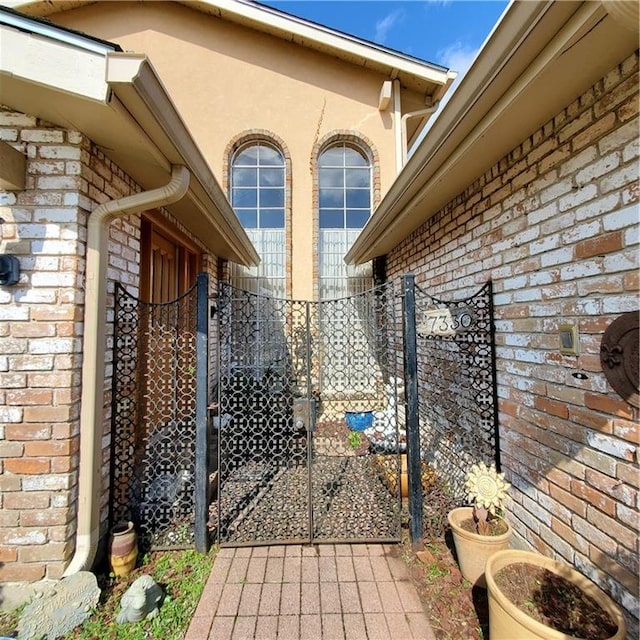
(244, 177)
(356, 218)
(268, 155)
(248, 218)
(333, 157)
(272, 219)
(244, 197)
(331, 198)
(331, 219)
(248, 156)
(357, 178)
(272, 177)
(358, 198)
(331, 177)
(354, 158)
(271, 197)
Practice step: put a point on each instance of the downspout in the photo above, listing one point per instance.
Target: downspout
(93, 361)
(414, 114)
(398, 124)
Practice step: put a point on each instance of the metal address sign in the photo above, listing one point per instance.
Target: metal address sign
(445, 321)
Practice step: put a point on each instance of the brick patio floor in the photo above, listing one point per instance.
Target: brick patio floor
(327, 592)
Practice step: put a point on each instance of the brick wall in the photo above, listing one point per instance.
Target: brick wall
(41, 338)
(40, 350)
(555, 225)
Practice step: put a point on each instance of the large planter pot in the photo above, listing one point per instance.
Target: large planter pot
(507, 622)
(472, 549)
(123, 548)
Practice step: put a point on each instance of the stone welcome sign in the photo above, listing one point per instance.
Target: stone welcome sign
(59, 607)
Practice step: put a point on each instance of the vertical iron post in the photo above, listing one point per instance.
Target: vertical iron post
(494, 381)
(310, 426)
(202, 423)
(411, 407)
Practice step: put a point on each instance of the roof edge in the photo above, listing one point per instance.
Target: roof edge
(136, 70)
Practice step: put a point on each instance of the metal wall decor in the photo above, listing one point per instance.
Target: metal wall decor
(619, 356)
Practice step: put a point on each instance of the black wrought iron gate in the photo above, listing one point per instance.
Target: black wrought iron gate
(302, 431)
(309, 421)
(159, 418)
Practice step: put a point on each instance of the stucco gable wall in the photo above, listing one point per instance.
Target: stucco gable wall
(226, 79)
(242, 78)
(555, 225)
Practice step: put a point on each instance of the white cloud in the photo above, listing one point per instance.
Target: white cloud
(457, 56)
(384, 25)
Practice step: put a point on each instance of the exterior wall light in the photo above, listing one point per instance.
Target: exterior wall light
(9, 270)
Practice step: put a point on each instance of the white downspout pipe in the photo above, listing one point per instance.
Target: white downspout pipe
(398, 124)
(93, 361)
(413, 114)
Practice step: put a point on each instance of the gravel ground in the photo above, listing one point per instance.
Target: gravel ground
(350, 502)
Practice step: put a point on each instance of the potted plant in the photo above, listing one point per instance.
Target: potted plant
(480, 530)
(532, 596)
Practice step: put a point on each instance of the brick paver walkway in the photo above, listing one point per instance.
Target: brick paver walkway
(327, 592)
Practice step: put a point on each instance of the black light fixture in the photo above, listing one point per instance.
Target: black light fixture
(9, 270)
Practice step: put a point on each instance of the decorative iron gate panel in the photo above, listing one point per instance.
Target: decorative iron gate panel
(154, 405)
(456, 380)
(309, 430)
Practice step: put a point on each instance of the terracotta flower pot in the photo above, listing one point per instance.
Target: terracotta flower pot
(506, 621)
(123, 548)
(472, 549)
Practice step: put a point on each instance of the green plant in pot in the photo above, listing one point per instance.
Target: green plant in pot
(480, 529)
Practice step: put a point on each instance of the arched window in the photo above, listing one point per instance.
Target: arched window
(257, 189)
(344, 197)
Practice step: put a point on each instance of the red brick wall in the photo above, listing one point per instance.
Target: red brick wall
(555, 226)
(41, 338)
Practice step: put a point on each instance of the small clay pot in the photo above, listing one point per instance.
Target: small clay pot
(123, 548)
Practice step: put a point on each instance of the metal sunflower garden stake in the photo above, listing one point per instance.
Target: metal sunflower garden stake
(487, 492)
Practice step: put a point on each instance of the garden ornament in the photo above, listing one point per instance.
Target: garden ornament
(141, 600)
(487, 491)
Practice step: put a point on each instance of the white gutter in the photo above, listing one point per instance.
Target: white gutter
(93, 362)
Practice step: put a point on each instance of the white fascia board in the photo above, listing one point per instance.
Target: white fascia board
(328, 37)
(52, 63)
(52, 31)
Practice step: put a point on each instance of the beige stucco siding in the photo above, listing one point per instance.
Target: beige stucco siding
(226, 79)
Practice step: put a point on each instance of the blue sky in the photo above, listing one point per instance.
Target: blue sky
(446, 32)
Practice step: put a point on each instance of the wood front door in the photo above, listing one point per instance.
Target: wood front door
(169, 261)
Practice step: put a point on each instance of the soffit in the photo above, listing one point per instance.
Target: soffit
(541, 57)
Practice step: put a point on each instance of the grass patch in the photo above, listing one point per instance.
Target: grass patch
(182, 576)
(9, 621)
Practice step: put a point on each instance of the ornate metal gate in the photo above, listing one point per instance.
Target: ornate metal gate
(308, 421)
(456, 384)
(158, 457)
